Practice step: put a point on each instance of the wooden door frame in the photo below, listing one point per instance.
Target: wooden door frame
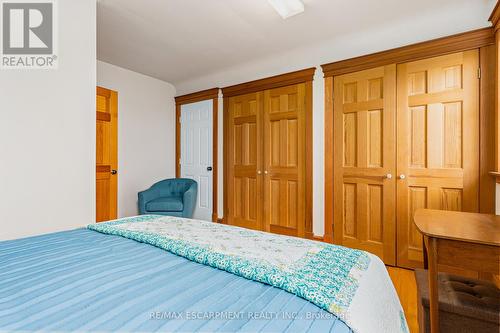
(495, 81)
(302, 76)
(476, 39)
(204, 95)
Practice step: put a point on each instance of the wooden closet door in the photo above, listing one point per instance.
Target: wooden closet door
(106, 154)
(284, 160)
(438, 143)
(364, 150)
(244, 139)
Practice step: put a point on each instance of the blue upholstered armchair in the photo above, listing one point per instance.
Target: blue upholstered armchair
(174, 197)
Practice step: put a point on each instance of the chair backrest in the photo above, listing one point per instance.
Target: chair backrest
(174, 187)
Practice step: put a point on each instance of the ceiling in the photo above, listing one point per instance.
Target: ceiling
(177, 40)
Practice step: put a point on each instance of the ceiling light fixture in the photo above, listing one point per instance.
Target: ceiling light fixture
(287, 8)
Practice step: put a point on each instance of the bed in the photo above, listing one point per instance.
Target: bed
(93, 280)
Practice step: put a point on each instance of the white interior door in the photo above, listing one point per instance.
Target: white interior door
(196, 153)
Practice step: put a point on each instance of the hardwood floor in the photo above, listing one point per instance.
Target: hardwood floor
(406, 287)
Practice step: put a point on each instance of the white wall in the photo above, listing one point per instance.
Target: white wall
(393, 35)
(146, 131)
(47, 130)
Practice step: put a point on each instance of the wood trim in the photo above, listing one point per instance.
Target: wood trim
(197, 96)
(481, 38)
(436, 47)
(487, 130)
(495, 20)
(203, 95)
(277, 81)
(495, 16)
(329, 159)
(225, 138)
(308, 227)
(496, 175)
(312, 236)
(318, 238)
(178, 140)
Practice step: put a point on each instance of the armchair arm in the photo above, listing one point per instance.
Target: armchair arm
(189, 201)
(145, 197)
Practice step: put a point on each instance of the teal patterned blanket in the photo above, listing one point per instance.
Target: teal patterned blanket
(327, 275)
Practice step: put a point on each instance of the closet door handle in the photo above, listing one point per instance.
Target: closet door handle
(265, 172)
(259, 172)
(388, 176)
(402, 176)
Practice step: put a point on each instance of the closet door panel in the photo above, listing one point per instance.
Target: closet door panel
(244, 185)
(364, 150)
(438, 142)
(284, 160)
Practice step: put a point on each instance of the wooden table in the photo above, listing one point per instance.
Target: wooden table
(464, 240)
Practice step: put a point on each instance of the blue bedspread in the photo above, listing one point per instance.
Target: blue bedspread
(82, 280)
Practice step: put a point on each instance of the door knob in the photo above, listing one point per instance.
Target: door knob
(114, 172)
(402, 176)
(265, 172)
(388, 176)
(259, 172)
(209, 168)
